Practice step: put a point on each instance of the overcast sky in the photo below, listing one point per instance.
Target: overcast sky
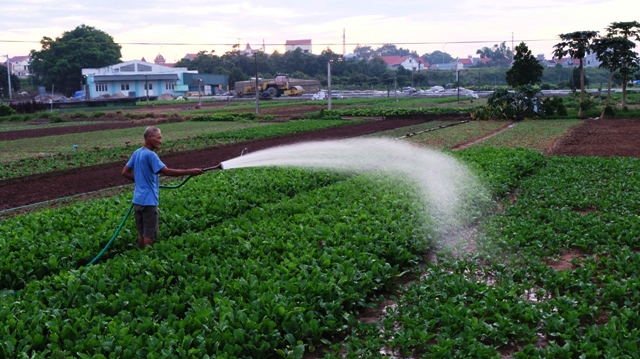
(173, 28)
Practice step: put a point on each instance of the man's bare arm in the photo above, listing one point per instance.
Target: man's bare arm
(128, 173)
(173, 172)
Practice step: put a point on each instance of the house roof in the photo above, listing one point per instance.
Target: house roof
(136, 77)
(563, 60)
(19, 58)
(484, 60)
(298, 42)
(190, 56)
(466, 61)
(397, 60)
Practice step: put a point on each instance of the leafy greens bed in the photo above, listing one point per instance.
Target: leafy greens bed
(513, 298)
(275, 263)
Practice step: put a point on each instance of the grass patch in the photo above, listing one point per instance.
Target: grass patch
(534, 134)
(449, 137)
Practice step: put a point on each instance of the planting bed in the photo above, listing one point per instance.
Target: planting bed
(606, 138)
(281, 262)
(27, 190)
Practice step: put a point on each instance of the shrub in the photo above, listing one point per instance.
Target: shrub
(79, 114)
(248, 116)
(97, 114)
(609, 111)
(553, 106)
(6, 110)
(57, 118)
(587, 104)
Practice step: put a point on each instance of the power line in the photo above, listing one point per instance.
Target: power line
(282, 44)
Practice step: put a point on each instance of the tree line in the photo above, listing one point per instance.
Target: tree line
(59, 62)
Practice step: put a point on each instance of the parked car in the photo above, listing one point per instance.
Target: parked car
(322, 95)
(336, 94)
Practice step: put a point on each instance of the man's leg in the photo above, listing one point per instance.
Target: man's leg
(150, 225)
(137, 214)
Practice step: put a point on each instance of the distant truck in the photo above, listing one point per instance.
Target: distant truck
(271, 88)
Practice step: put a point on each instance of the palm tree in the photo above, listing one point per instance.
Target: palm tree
(576, 44)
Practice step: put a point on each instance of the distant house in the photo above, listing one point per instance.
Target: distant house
(544, 62)
(481, 60)
(190, 56)
(20, 66)
(159, 60)
(466, 63)
(591, 60)
(304, 45)
(248, 51)
(408, 62)
(567, 62)
(138, 78)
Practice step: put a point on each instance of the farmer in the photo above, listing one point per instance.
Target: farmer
(144, 168)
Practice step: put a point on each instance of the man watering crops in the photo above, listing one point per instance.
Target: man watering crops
(144, 168)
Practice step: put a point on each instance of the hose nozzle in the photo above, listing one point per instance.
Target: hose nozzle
(217, 167)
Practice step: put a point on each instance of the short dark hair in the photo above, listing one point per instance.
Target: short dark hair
(149, 131)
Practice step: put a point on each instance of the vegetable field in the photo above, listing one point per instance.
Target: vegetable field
(273, 262)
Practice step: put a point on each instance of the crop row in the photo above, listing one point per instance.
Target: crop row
(82, 158)
(70, 237)
(369, 112)
(513, 297)
(281, 277)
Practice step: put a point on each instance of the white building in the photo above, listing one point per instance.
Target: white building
(20, 66)
(408, 62)
(138, 78)
(304, 45)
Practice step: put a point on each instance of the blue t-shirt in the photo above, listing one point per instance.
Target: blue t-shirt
(146, 166)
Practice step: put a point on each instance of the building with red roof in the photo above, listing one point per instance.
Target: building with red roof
(408, 62)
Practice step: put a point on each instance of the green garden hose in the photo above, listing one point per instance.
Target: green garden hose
(113, 238)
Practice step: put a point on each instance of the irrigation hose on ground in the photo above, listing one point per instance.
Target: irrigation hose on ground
(126, 216)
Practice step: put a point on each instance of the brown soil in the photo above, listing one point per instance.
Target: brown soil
(52, 185)
(606, 138)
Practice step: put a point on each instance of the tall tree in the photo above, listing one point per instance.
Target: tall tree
(616, 53)
(576, 44)
(60, 61)
(437, 57)
(628, 59)
(204, 62)
(500, 55)
(363, 52)
(526, 69)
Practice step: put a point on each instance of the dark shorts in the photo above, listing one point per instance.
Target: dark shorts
(146, 220)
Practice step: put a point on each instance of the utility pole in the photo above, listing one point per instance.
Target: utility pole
(255, 57)
(395, 88)
(199, 94)
(146, 87)
(329, 83)
(9, 76)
